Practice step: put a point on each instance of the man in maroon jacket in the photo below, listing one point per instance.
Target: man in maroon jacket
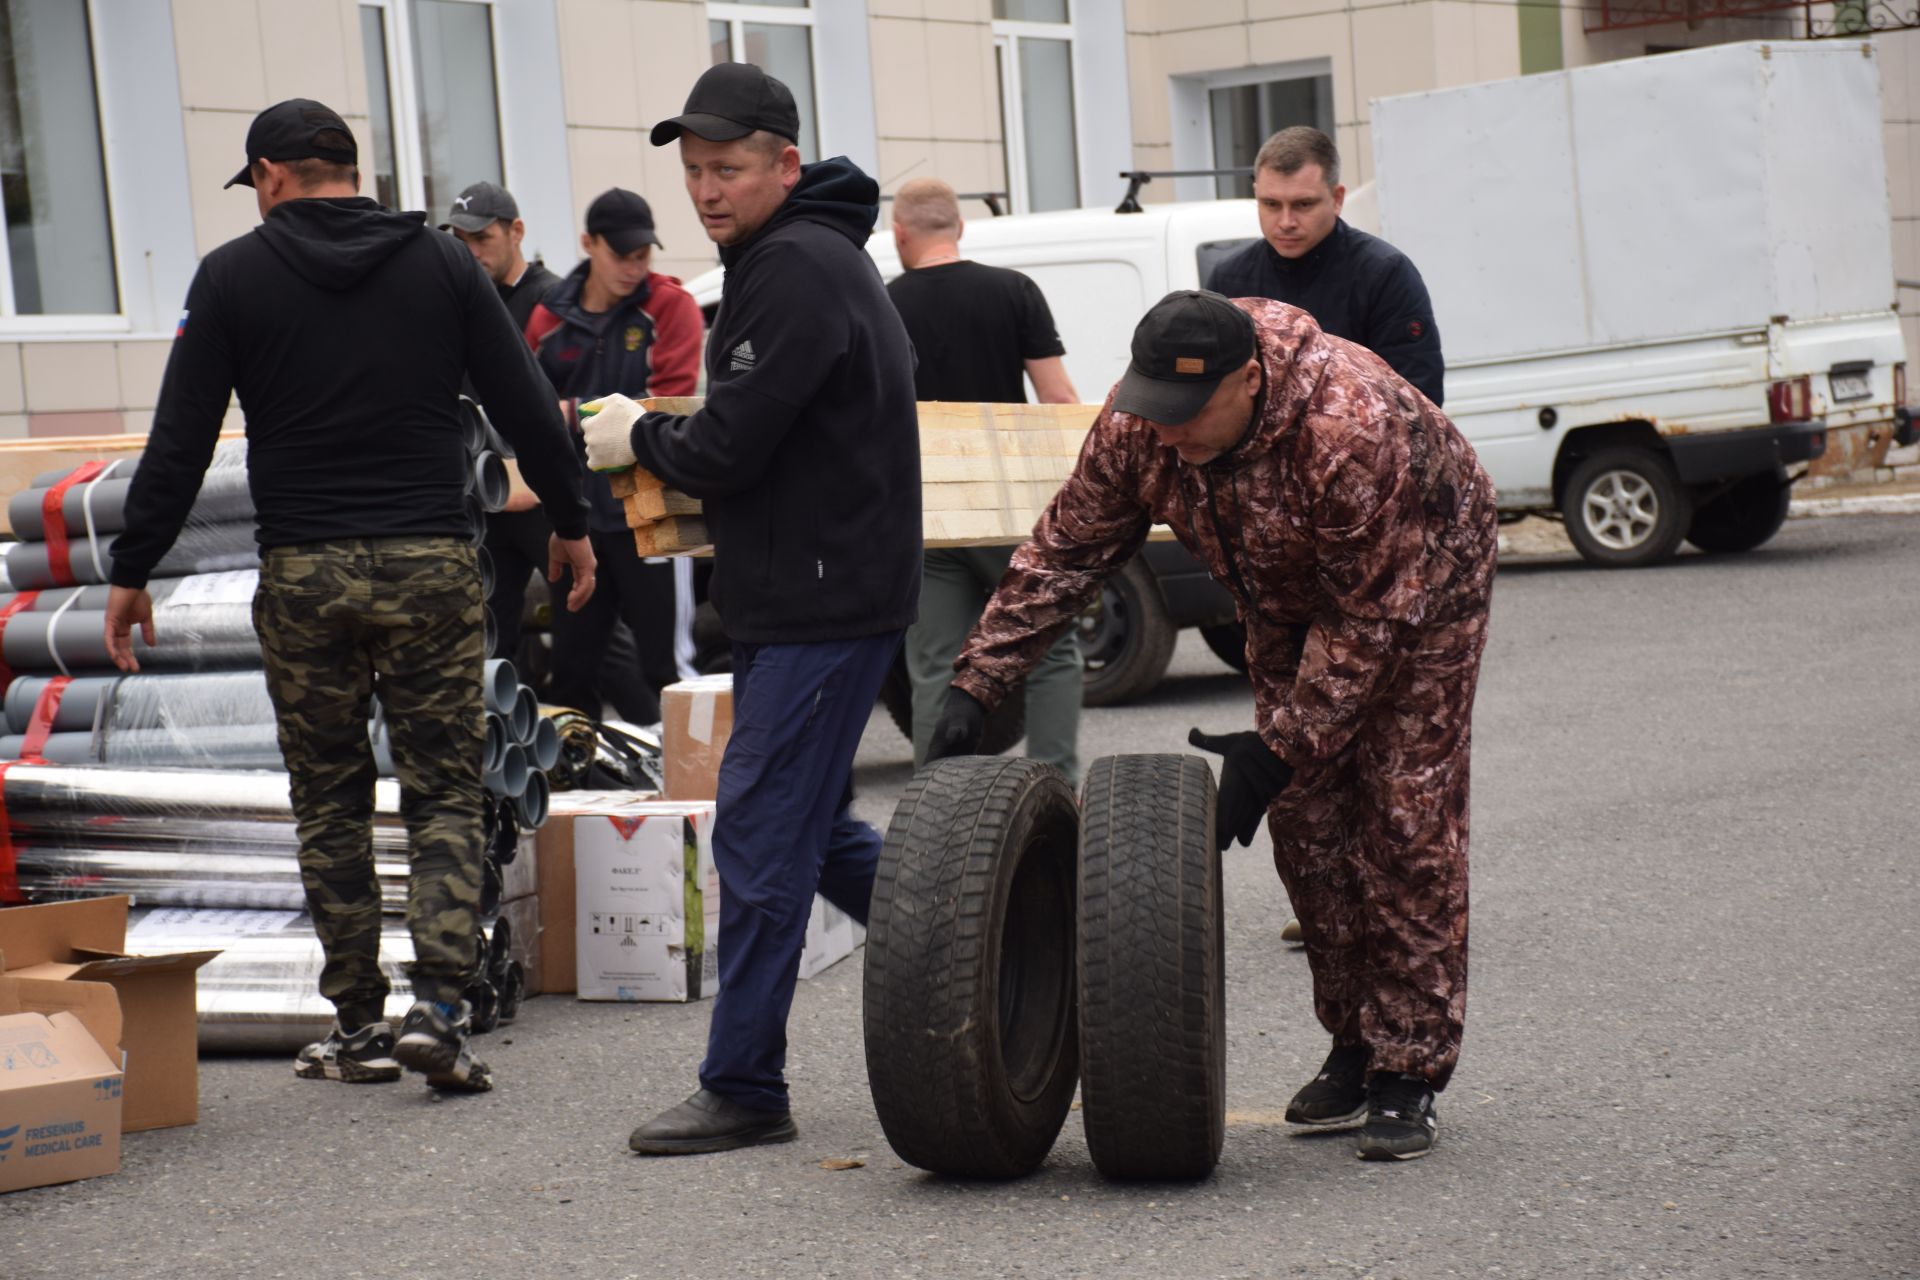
(1356, 531)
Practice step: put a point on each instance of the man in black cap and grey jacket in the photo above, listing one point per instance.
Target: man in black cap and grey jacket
(347, 330)
(806, 456)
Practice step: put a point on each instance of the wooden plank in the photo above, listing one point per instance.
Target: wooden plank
(657, 504)
(676, 535)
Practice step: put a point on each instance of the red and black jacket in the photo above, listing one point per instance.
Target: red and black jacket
(647, 345)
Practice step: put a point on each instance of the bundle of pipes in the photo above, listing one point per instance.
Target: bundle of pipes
(261, 993)
(191, 838)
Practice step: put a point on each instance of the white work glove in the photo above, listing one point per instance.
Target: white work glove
(607, 424)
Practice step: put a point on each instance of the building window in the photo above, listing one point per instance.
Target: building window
(433, 100)
(1033, 44)
(59, 258)
(777, 37)
(1245, 115)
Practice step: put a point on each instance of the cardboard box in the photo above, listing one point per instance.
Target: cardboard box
(553, 873)
(522, 916)
(831, 937)
(521, 877)
(648, 911)
(83, 942)
(61, 1091)
(696, 721)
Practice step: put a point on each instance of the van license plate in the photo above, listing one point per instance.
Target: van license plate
(1850, 386)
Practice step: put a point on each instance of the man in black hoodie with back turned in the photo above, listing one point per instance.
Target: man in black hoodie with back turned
(806, 456)
(346, 330)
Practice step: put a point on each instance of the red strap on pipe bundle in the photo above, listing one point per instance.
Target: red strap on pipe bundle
(53, 513)
(44, 709)
(19, 604)
(10, 895)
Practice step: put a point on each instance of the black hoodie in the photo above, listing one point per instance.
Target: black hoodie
(346, 329)
(806, 454)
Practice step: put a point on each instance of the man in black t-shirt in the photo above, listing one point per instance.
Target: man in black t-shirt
(980, 332)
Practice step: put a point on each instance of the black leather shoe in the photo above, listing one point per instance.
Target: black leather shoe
(1338, 1095)
(708, 1122)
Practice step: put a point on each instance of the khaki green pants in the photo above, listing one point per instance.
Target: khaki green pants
(955, 586)
(402, 618)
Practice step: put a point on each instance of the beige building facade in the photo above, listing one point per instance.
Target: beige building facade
(120, 120)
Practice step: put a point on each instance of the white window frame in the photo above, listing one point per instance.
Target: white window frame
(403, 96)
(1192, 112)
(11, 322)
(1007, 35)
(737, 16)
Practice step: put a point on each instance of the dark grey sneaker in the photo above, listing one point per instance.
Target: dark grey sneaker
(365, 1057)
(435, 1044)
(1401, 1122)
(1338, 1095)
(708, 1122)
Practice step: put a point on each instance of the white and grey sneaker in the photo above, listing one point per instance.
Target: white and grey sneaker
(1401, 1122)
(433, 1041)
(364, 1057)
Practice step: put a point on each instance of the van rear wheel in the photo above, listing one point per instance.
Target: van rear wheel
(1625, 507)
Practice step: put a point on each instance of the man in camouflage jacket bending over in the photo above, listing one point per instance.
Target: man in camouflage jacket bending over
(1356, 531)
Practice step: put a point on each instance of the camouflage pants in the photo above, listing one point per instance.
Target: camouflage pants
(1372, 847)
(401, 618)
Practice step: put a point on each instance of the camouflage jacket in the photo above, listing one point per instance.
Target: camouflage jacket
(1351, 517)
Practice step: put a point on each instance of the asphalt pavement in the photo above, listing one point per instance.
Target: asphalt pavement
(1690, 1040)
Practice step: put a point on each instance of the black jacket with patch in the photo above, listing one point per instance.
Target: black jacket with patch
(347, 330)
(806, 454)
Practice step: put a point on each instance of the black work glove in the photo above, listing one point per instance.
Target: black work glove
(962, 723)
(1250, 777)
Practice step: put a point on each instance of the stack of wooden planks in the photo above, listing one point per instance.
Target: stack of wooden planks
(987, 471)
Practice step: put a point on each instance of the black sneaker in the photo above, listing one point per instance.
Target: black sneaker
(365, 1057)
(435, 1044)
(1401, 1123)
(1338, 1095)
(709, 1122)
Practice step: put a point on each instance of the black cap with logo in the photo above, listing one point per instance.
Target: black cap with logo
(623, 219)
(295, 130)
(480, 206)
(731, 100)
(1181, 349)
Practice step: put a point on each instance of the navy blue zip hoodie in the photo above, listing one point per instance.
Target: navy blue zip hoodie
(346, 329)
(806, 454)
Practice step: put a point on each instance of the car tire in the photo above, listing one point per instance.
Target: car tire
(1126, 638)
(1005, 726)
(1228, 640)
(1152, 960)
(1625, 507)
(1745, 516)
(972, 1054)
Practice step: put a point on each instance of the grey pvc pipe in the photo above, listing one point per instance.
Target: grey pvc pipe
(476, 522)
(474, 425)
(231, 747)
(530, 806)
(213, 548)
(502, 683)
(209, 638)
(129, 463)
(489, 633)
(487, 480)
(93, 598)
(59, 748)
(510, 779)
(78, 705)
(223, 499)
(545, 750)
(485, 560)
(490, 759)
(526, 715)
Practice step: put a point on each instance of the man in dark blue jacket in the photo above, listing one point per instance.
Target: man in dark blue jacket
(806, 456)
(1356, 286)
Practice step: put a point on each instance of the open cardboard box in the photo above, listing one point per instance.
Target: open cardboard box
(82, 942)
(61, 1085)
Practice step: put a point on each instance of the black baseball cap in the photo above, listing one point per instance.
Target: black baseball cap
(730, 100)
(289, 131)
(480, 206)
(623, 219)
(1181, 349)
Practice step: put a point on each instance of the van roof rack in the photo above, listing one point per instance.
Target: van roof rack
(1137, 178)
